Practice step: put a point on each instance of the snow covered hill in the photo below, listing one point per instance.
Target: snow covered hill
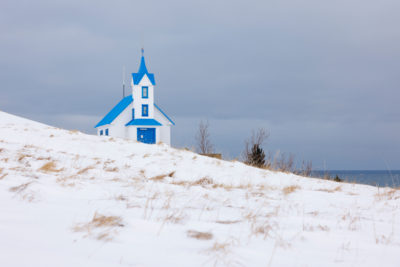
(71, 199)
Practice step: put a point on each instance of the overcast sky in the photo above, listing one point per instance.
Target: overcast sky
(322, 76)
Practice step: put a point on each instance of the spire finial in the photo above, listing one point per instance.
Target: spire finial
(142, 51)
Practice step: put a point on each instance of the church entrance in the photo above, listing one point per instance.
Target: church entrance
(146, 135)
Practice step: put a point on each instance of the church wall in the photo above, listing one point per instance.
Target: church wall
(117, 127)
(165, 130)
(165, 134)
(138, 100)
(132, 132)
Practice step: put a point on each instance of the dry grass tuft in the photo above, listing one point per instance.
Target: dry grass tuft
(228, 222)
(50, 167)
(121, 198)
(162, 176)
(181, 183)
(388, 194)
(115, 169)
(199, 235)
(290, 189)
(22, 156)
(99, 221)
(106, 221)
(336, 189)
(323, 227)
(44, 158)
(85, 170)
(174, 217)
(203, 181)
(220, 247)
(19, 188)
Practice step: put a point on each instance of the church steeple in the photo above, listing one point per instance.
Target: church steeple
(137, 77)
(142, 67)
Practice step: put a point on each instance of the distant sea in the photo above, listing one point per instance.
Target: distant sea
(376, 177)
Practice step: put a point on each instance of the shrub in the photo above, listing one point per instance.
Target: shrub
(256, 156)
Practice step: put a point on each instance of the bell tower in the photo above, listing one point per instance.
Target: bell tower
(143, 92)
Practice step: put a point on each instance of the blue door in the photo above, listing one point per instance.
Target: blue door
(146, 135)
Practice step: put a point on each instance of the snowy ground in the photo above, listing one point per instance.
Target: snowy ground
(70, 199)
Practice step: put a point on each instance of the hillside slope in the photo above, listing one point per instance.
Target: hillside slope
(70, 199)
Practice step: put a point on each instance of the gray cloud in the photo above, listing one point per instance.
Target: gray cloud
(322, 76)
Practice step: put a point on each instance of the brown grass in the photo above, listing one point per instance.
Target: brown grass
(221, 247)
(43, 158)
(4, 175)
(115, 169)
(228, 222)
(99, 221)
(336, 189)
(50, 167)
(203, 181)
(323, 228)
(101, 227)
(106, 221)
(290, 189)
(162, 176)
(181, 183)
(74, 132)
(22, 156)
(174, 217)
(19, 188)
(388, 194)
(85, 170)
(199, 235)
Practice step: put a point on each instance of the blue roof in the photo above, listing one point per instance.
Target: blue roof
(110, 117)
(173, 123)
(144, 122)
(142, 67)
(137, 77)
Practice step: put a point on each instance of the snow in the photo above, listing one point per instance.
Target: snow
(71, 199)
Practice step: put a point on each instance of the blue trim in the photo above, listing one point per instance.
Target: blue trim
(142, 66)
(143, 122)
(145, 110)
(133, 114)
(121, 106)
(162, 112)
(147, 92)
(137, 77)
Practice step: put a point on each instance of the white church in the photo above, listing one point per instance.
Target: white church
(136, 116)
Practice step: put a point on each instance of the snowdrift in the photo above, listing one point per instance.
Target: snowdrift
(71, 199)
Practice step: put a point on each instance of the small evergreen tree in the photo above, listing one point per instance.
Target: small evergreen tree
(257, 156)
(337, 179)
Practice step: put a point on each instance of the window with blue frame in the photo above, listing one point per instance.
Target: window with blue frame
(133, 114)
(145, 92)
(101, 132)
(106, 131)
(145, 110)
